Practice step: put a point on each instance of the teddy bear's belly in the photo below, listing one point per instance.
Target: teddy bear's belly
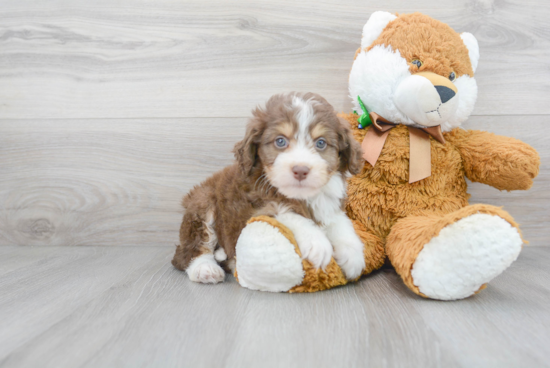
(380, 196)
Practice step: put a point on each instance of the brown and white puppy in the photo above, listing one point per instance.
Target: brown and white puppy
(292, 164)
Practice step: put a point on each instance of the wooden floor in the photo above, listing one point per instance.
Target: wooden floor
(111, 110)
(127, 307)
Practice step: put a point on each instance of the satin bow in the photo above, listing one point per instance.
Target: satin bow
(420, 162)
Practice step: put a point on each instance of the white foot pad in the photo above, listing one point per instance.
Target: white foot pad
(205, 269)
(464, 256)
(266, 260)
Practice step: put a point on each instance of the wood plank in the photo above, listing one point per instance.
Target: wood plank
(120, 182)
(153, 296)
(351, 326)
(501, 314)
(35, 298)
(105, 182)
(122, 59)
(11, 258)
(127, 306)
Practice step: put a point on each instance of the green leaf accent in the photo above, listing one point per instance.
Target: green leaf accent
(364, 120)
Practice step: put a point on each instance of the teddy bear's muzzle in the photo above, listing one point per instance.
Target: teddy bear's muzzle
(427, 98)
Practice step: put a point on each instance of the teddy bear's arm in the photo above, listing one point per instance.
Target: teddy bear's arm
(502, 162)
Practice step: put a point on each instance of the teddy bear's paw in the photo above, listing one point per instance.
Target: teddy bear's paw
(465, 255)
(266, 259)
(206, 270)
(314, 246)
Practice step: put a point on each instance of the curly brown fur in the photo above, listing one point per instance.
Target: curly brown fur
(218, 209)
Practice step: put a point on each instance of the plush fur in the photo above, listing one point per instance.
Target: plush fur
(403, 215)
(291, 165)
(269, 260)
(261, 245)
(388, 64)
(442, 247)
(465, 255)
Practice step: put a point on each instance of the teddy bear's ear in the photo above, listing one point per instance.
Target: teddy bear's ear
(472, 46)
(374, 27)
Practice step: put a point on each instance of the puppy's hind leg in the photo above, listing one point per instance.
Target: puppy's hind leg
(195, 254)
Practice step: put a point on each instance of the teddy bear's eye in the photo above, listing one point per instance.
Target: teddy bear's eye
(452, 76)
(417, 62)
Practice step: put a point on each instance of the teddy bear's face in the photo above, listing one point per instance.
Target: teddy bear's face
(416, 71)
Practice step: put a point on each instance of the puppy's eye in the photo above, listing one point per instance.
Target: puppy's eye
(452, 76)
(417, 62)
(281, 142)
(321, 144)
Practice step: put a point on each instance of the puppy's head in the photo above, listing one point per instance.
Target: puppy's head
(298, 142)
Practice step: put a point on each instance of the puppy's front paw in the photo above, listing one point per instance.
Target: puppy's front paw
(350, 260)
(316, 248)
(205, 269)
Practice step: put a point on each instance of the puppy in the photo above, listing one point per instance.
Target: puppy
(292, 165)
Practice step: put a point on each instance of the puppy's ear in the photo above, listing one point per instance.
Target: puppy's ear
(246, 151)
(351, 155)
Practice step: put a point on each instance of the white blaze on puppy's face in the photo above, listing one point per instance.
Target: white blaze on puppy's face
(301, 154)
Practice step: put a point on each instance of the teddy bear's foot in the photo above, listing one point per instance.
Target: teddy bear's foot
(465, 256)
(452, 256)
(266, 259)
(269, 259)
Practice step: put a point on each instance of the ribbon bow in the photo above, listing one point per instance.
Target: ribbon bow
(420, 161)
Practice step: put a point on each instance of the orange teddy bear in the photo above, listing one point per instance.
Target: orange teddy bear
(412, 83)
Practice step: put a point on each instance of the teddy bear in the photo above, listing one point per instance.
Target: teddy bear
(412, 84)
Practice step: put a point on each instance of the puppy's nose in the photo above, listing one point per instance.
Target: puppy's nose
(300, 172)
(445, 93)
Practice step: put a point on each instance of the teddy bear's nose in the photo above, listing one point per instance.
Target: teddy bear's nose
(445, 93)
(300, 172)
